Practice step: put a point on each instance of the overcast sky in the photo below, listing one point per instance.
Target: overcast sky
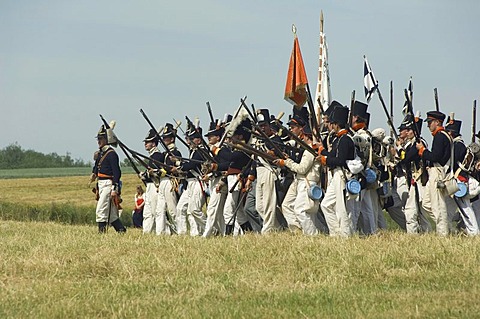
(62, 63)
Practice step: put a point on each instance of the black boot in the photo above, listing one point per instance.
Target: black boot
(228, 230)
(117, 224)
(102, 227)
(246, 227)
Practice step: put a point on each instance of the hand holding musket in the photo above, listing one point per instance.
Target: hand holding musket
(247, 149)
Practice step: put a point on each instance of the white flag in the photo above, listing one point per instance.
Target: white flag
(323, 91)
(369, 82)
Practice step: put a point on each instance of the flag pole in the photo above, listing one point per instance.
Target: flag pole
(391, 105)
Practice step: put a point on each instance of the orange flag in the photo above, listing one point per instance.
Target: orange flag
(296, 87)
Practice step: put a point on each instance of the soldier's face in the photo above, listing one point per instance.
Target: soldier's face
(432, 125)
(101, 142)
(149, 145)
(296, 129)
(213, 139)
(168, 140)
(403, 133)
(410, 133)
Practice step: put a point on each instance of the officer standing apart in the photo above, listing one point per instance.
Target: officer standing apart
(107, 171)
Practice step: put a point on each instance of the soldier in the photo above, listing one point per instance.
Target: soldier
(334, 204)
(462, 204)
(434, 200)
(294, 152)
(107, 171)
(307, 173)
(239, 167)
(152, 216)
(217, 183)
(266, 200)
(368, 208)
(189, 207)
(408, 182)
(168, 185)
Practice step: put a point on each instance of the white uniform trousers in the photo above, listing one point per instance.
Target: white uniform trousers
(434, 200)
(469, 219)
(106, 211)
(266, 199)
(189, 208)
(288, 206)
(334, 206)
(215, 220)
(232, 203)
(306, 209)
(157, 200)
(476, 209)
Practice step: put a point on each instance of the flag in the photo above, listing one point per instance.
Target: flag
(323, 91)
(369, 82)
(296, 86)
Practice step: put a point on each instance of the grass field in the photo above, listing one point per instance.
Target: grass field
(50, 172)
(53, 270)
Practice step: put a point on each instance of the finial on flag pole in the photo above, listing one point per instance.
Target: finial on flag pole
(294, 30)
(321, 20)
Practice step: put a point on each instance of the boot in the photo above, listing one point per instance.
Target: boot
(228, 230)
(246, 227)
(102, 227)
(117, 224)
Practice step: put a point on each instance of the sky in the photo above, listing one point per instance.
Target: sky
(62, 63)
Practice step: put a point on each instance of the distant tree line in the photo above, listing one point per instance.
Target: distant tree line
(13, 156)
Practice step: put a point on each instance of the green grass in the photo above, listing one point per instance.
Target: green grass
(48, 270)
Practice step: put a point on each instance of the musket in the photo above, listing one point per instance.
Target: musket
(242, 104)
(156, 133)
(350, 115)
(320, 113)
(300, 142)
(474, 120)
(313, 116)
(389, 119)
(239, 145)
(435, 95)
(212, 119)
(416, 131)
(206, 153)
(254, 111)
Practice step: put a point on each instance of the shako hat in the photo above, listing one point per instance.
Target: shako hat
(359, 109)
(435, 115)
(168, 131)
(152, 136)
(215, 129)
(300, 117)
(340, 115)
(263, 116)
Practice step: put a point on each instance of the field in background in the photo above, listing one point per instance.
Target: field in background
(50, 172)
(53, 270)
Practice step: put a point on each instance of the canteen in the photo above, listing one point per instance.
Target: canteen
(315, 192)
(462, 190)
(370, 175)
(353, 187)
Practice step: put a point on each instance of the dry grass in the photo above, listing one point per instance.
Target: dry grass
(49, 270)
(56, 271)
(74, 190)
